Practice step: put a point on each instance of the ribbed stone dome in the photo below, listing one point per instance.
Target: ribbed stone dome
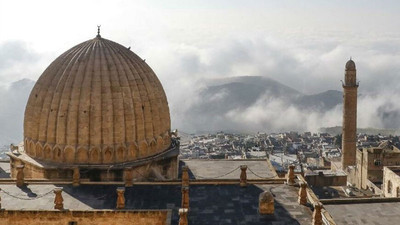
(98, 103)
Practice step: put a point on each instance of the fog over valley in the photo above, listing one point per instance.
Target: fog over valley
(211, 89)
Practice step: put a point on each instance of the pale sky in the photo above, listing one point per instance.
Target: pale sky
(304, 28)
(307, 29)
(42, 23)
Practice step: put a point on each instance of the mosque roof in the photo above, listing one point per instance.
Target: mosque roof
(97, 103)
(211, 203)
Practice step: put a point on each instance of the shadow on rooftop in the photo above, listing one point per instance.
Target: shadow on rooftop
(326, 192)
(28, 191)
(232, 204)
(209, 204)
(181, 164)
(4, 173)
(136, 197)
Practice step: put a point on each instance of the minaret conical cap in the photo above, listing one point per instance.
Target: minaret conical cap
(350, 65)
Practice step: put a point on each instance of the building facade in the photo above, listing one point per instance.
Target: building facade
(391, 181)
(370, 163)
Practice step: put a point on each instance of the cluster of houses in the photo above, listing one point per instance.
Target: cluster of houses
(3, 152)
(305, 150)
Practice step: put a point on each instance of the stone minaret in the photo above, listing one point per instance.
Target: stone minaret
(349, 132)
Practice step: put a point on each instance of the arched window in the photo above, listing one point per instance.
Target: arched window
(82, 155)
(94, 155)
(39, 150)
(108, 155)
(398, 192)
(47, 152)
(57, 154)
(389, 187)
(120, 154)
(133, 151)
(377, 162)
(69, 155)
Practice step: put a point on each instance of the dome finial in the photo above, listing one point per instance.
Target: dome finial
(98, 31)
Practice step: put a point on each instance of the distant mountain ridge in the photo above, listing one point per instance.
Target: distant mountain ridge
(243, 91)
(322, 101)
(222, 96)
(274, 87)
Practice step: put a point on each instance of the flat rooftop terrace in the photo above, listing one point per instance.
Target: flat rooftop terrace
(211, 203)
(229, 169)
(365, 213)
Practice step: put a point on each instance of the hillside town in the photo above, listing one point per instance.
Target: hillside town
(305, 150)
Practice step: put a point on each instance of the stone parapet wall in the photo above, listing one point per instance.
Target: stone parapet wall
(373, 187)
(391, 181)
(314, 200)
(163, 166)
(96, 217)
(321, 180)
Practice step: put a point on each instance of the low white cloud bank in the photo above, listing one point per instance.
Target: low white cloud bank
(185, 71)
(12, 101)
(278, 115)
(308, 69)
(381, 110)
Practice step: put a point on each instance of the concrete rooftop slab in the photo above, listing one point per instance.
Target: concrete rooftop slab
(366, 213)
(209, 204)
(229, 169)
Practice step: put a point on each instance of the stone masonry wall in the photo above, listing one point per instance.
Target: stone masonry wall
(349, 135)
(100, 217)
(164, 168)
(391, 179)
(321, 180)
